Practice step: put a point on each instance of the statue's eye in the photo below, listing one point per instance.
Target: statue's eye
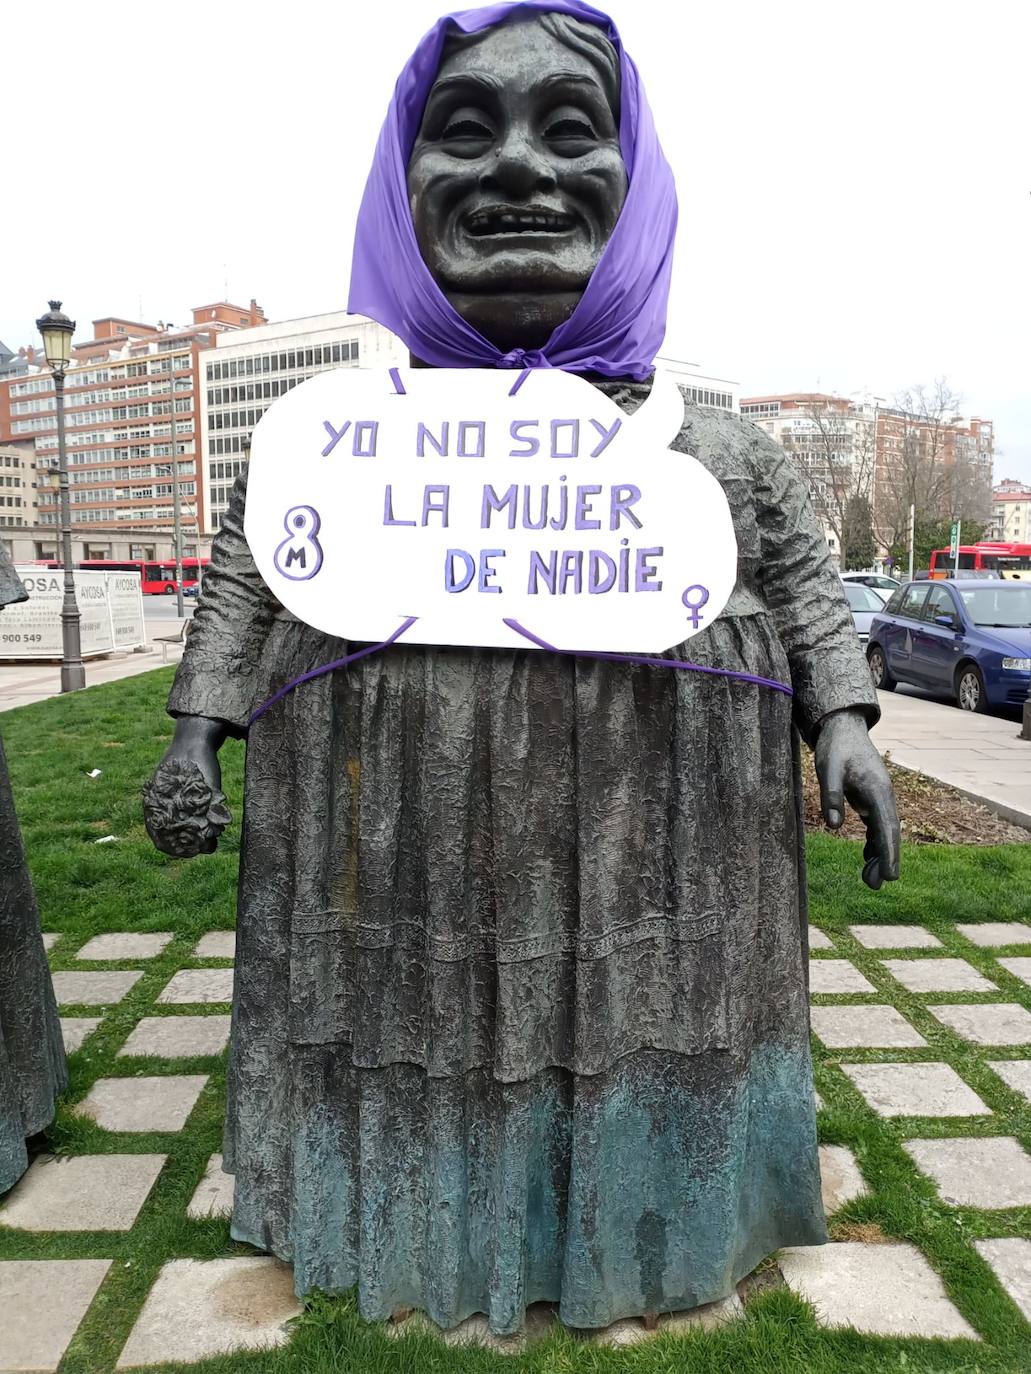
(569, 128)
(466, 128)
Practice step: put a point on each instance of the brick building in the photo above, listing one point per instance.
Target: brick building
(119, 395)
(888, 455)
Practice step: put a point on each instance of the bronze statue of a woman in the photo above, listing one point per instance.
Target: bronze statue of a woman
(32, 1063)
(521, 1009)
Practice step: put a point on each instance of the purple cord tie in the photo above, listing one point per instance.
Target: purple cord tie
(641, 660)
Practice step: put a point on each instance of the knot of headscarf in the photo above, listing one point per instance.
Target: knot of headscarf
(619, 322)
(524, 357)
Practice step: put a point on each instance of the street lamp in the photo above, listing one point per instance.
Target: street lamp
(57, 330)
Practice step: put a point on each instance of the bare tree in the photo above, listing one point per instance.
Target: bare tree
(836, 449)
(926, 460)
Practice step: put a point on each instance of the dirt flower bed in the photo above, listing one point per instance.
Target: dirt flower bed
(929, 811)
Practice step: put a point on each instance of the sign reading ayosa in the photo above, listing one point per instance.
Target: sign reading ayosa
(478, 501)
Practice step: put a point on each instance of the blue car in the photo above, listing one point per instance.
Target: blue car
(969, 639)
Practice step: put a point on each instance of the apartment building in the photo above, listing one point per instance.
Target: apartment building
(1011, 512)
(886, 455)
(243, 373)
(128, 388)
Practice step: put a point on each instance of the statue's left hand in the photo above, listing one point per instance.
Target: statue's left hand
(849, 767)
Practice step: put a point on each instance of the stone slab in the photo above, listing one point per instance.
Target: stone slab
(881, 1290)
(864, 1028)
(938, 975)
(199, 985)
(94, 989)
(895, 937)
(42, 1303)
(818, 940)
(201, 1308)
(216, 944)
(50, 939)
(74, 1030)
(142, 1104)
(81, 1193)
(1019, 967)
(1016, 1073)
(915, 1090)
(214, 1195)
(991, 1173)
(841, 1179)
(178, 1037)
(1010, 1258)
(989, 934)
(987, 1023)
(124, 945)
(837, 975)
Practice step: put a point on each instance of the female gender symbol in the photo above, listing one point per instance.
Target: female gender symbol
(300, 547)
(694, 598)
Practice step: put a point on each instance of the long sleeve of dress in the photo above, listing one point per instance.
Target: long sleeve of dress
(805, 598)
(218, 672)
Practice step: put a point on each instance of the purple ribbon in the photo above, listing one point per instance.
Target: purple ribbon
(638, 659)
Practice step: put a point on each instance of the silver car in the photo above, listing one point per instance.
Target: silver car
(864, 603)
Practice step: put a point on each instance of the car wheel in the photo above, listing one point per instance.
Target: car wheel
(970, 692)
(882, 679)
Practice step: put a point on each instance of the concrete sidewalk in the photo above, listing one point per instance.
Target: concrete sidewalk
(23, 683)
(981, 756)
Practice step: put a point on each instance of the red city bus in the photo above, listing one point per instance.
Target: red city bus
(1005, 560)
(156, 578)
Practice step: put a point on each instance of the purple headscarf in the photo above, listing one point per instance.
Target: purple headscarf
(618, 324)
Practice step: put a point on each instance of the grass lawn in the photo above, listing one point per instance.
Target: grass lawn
(85, 888)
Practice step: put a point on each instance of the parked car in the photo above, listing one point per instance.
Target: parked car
(879, 581)
(864, 603)
(969, 638)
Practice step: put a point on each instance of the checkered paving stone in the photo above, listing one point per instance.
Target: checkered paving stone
(178, 1037)
(124, 945)
(915, 1090)
(72, 988)
(42, 1303)
(198, 986)
(75, 1029)
(81, 1193)
(837, 975)
(865, 1028)
(883, 1290)
(214, 1195)
(217, 944)
(197, 1309)
(1015, 1073)
(938, 975)
(1011, 1260)
(987, 1023)
(895, 937)
(990, 934)
(1019, 967)
(841, 1178)
(989, 1173)
(142, 1104)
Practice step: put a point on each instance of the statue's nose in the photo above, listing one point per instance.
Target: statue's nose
(518, 167)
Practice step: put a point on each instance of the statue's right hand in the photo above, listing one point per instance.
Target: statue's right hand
(184, 807)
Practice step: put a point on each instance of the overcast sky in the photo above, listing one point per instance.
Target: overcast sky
(853, 177)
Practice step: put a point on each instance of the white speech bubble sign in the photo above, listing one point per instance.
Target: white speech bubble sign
(478, 501)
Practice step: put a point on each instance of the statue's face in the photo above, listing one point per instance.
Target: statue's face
(516, 181)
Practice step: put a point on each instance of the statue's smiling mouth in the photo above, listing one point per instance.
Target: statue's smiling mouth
(503, 220)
